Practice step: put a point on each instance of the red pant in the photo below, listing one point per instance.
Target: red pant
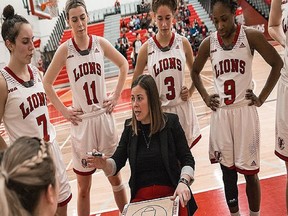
(157, 191)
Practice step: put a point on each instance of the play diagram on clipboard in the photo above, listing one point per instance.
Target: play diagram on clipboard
(156, 207)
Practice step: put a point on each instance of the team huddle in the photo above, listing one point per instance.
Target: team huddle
(158, 137)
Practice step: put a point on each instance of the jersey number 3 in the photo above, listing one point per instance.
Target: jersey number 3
(169, 82)
(229, 90)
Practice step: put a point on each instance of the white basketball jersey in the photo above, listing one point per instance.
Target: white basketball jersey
(232, 69)
(284, 8)
(26, 112)
(86, 75)
(167, 68)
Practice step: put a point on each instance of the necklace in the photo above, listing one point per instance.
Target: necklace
(146, 139)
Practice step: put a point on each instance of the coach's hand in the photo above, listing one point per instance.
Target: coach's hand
(183, 193)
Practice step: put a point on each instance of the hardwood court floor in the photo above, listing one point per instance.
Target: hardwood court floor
(208, 179)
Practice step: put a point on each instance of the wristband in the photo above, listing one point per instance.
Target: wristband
(185, 181)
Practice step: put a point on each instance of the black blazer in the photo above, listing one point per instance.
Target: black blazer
(174, 150)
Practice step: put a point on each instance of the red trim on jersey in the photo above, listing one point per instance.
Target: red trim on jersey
(281, 156)
(16, 77)
(244, 172)
(195, 141)
(247, 172)
(89, 45)
(235, 37)
(159, 45)
(65, 202)
(84, 173)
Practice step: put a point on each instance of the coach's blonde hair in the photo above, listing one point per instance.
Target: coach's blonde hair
(73, 4)
(27, 169)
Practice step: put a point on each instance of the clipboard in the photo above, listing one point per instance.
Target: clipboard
(155, 207)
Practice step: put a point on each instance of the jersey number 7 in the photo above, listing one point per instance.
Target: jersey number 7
(42, 120)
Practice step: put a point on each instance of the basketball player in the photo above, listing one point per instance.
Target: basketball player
(83, 56)
(23, 104)
(234, 131)
(278, 22)
(165, 55)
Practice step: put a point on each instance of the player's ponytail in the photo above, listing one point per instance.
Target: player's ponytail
(9, 201)
(11, 25)
(27, 169)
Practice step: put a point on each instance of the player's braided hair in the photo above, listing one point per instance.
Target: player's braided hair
(11, 24)
(232, 4)
(30, 163)
(172, 4)
(26, 170)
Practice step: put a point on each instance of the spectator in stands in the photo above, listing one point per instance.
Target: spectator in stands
(196, 25)
(124, 40)
(132, 23)
(136, 23)
(186, 19)
(117, 46)
(123, 26)
(203, 31)
(239, 16)
(144, 6)
(187, 11)
(145, 21)
(117, 6)
(92, 123)
(136, 47)
(195, 43)
(150, 33)
(28, 184)
(123, 50)
(193, 31)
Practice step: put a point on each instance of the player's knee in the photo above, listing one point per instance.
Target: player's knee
(252, 179)
(118, 188)
(229, 175)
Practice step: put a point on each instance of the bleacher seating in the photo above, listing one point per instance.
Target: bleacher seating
(95, 29)
(193, 15)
